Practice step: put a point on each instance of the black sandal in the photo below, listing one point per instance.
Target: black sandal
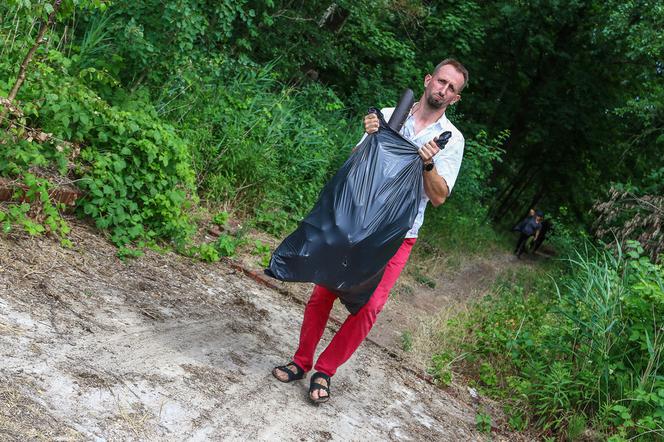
(316, 386)
(298, 374)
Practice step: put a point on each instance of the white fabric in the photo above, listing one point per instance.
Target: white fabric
(447, 161)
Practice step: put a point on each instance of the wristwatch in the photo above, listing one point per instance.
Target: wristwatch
(428, 167)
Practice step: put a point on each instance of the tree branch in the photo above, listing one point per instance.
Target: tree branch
(24, 65)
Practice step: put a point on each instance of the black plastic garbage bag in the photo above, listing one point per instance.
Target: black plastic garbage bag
(359, 222)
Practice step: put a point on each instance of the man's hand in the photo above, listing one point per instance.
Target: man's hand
(428, 151)
(371, 123)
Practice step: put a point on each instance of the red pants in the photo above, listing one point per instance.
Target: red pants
(354, 329)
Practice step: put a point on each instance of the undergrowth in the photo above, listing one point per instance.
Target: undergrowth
(569, 351)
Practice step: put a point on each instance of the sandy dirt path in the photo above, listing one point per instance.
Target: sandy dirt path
(164, 348)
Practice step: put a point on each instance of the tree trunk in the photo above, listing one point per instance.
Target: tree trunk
(519, 187)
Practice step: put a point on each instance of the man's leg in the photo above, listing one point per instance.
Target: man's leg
(536, 244)
(356, 327)
(520, 244)
(316, 314)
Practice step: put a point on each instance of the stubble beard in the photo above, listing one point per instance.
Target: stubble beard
(436, 104)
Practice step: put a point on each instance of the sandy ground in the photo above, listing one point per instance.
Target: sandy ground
(164, 348)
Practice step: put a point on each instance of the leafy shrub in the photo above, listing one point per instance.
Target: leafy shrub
(589, 345)
(483, 422)
(225, 245)
(462, 222)
(259, 144)
(134, 169)
(264, 252)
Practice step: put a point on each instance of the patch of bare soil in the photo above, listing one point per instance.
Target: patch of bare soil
(164, 348)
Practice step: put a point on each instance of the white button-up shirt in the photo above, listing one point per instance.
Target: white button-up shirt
(447, 161)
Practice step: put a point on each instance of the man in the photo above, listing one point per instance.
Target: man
(529, 227)
(425, 123)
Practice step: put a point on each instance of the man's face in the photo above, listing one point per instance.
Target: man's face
(442, 88)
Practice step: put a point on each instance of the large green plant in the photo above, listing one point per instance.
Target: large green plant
(592, 354)
(135, 170)
(257, 143)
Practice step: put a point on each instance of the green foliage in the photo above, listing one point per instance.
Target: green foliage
(41, 8)
(204, 252)
(134, 169)
(466, 208)
(480, 156)
(225, 245)
(32, 208)
(441, 368)
(576, 425)
(266, 147)
(153, 39)
(593, 350)
(407, 341)
(221, 219)
(264, 252)
(483, 422)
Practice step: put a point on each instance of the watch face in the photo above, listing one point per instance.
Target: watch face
(428, 167)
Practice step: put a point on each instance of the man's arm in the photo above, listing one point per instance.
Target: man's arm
(537, 232)
(435, 185)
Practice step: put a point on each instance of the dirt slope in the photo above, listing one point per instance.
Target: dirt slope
(162, 348)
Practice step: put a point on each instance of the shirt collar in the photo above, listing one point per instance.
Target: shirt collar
(437, 125)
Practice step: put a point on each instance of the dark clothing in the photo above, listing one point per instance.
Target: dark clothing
(522, 223)
(547, 227)
(530, 226)
(527, 227)
(521, 244)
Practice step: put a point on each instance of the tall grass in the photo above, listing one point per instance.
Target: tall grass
(264, 147)
(580, 350)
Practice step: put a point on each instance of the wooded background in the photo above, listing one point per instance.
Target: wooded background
(162, 117)
(571, 92)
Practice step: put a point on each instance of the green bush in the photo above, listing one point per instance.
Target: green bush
(585, 346)
(263, 146)
(461, 224)
(135, 170)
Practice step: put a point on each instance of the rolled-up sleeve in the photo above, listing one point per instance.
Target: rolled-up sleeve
(448, 160)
